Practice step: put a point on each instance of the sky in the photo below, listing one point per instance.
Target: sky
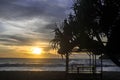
(25, 24)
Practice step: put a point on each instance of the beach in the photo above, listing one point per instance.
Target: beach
(51, 69)
(53, 75)
(32, 75)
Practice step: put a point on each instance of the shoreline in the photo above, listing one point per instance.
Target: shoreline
(52, 75)
(32, 75)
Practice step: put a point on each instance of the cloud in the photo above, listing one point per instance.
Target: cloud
(16, 9)
(26, 22)
(2, 28)
(14, 40)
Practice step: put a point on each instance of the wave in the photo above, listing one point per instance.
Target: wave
(48, 64)
(32, 65)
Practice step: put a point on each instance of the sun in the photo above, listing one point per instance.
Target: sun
(36, 50)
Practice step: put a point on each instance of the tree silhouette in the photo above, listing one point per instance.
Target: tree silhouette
(91, 23)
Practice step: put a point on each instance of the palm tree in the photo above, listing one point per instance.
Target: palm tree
(92, 21)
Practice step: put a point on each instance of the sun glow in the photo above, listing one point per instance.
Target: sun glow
(36, 50)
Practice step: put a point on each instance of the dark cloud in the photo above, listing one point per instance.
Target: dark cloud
(51, 11)
(14, 9)
(14, 40)
(19, 40)
(51, 26)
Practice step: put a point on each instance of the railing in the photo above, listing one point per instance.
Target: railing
(85, 69)
(81, 68)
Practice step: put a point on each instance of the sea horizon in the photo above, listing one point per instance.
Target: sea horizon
(48, 64)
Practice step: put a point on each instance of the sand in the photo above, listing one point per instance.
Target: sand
(32, 75)
(54, 75)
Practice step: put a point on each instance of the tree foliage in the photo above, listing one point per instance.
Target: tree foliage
(91, 23)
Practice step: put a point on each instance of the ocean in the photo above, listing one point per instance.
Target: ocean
(23, 64)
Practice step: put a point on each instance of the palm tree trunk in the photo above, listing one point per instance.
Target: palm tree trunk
(67, 63)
